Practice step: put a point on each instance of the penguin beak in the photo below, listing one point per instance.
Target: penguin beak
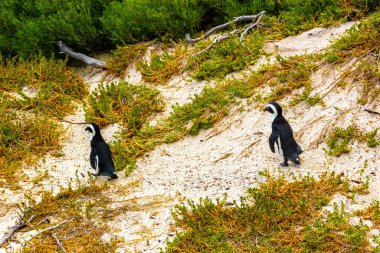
(87, 129)
(266, 109)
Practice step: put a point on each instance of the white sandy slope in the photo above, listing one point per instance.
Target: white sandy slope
(222, 161)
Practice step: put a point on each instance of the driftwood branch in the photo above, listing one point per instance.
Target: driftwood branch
(255, 21)
(250, 26)
(17, 227)
(58, 243)
(81, 57)
(216, 28)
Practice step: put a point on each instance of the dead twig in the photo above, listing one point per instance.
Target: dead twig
(64, 49)
(226, 155)
(43, 231)
(247, 150)
(216, 28)
(58, 243)
(370, 111)
(255, 21)
(17, 227)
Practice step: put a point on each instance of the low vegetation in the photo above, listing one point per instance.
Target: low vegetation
(125, 56)
(162, 66)
(341, 138)
(25, 139)
(225, 57)
(92, 25)
(81, 209)
(276, 216)
(360, 44)
(79, 217)
(27, 126)
(52, 86)
(130, 105)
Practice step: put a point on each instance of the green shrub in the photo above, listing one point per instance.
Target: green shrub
(34, 26)
(276, 216)
(124, 57)
(136, 20)
(55, 85)
(86, 25)
(163, 66)
(127, 104)
(24, 139)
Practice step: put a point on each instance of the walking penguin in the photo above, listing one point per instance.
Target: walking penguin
(100, 156)
(282, 135)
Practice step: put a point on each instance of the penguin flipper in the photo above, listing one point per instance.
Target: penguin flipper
(272, 140)
(93, 154)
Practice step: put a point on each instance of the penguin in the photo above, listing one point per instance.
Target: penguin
(282, 135)
(100, 156)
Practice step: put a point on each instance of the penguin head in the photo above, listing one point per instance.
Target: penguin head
(93, 130)
(274, 108)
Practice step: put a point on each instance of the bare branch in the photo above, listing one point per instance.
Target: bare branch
(250, 26)
(19, 225)
(81, 57)
(216, 28)
(43, 231)
(216, 40)
(59, 243)
(246, 28)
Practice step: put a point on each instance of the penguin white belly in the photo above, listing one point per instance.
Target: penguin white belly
(96, 164)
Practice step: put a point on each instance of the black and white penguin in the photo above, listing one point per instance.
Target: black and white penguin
(100, 157)
(283, 133)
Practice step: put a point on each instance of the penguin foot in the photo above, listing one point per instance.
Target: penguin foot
(284, 164)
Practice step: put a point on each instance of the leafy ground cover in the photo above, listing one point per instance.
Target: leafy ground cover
(277, 216)
(28, 129)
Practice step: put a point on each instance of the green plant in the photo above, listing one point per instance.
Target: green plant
(358, 41)
(25, 139)
(341, 138)
(125, 103)
(55, 85)
(124, 57)
(225, 57)
(162, 67)
(276, 216)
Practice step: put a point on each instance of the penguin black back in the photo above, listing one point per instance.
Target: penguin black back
(283, 133)
(100, 156)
